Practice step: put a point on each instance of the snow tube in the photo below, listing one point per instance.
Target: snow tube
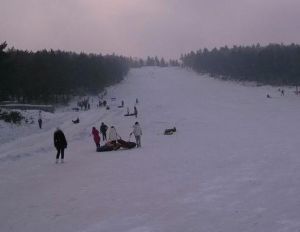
(105, 148)
(126, 145)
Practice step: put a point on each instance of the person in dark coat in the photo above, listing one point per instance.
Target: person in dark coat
(60, 144)
(135, 112)
(40, 121)
(103, 129)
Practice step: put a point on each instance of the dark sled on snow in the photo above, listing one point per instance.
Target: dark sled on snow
(108, 147)
(120, 144)
(129, 114)
(126, 144)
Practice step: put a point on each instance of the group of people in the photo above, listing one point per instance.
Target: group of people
(113, 136)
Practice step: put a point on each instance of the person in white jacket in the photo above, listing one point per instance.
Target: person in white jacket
(113, 135)
(137, 131)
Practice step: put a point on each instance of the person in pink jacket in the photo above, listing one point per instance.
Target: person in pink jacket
(96, 136)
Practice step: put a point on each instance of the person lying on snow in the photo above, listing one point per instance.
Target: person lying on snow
(110, 146)
(170, 131)
(75, 121)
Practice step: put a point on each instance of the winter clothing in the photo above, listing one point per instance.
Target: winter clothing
(135, 111)
(103, 129)
(60, 143)
(137, 131)
(40, 121)
(96, 136)
(113, 135)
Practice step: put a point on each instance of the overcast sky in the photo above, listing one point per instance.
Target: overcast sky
(140, 28)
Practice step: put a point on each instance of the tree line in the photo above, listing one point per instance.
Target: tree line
(275, 64)
(54, 76)
(152, 61)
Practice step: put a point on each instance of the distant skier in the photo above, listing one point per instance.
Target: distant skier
(282, 92)
(136, 101)
(96, 136)
(103, 129)
(268, 96)
(60, 144)
(137, 132)
(40, 121)
(135, 111)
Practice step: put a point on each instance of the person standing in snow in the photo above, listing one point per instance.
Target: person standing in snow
(96, 136)
(40, 121)
(137, 131)
(60, 144)
(135, 111)
(103, 129)
(113, 135)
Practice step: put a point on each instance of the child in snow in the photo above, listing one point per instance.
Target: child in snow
(137, 131)
(96, 136)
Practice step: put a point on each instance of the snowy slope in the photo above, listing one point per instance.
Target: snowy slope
(233, 165)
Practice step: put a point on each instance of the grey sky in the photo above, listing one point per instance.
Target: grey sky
(146, 27)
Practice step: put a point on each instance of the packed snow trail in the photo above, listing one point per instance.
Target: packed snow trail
(233, 164)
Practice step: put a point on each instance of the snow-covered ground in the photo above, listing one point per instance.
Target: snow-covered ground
(233, 164)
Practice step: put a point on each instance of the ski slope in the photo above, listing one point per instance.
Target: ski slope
(233, 164)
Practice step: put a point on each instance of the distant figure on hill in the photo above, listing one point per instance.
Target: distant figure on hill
(103, 129)
(137, 132)
(122, 104)
(96, 136)
(268, 96)
(76, 121)
(282, 92)
(135, 111)
(60, 144)
(170, 131)
(136, 101)
(40, 121)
